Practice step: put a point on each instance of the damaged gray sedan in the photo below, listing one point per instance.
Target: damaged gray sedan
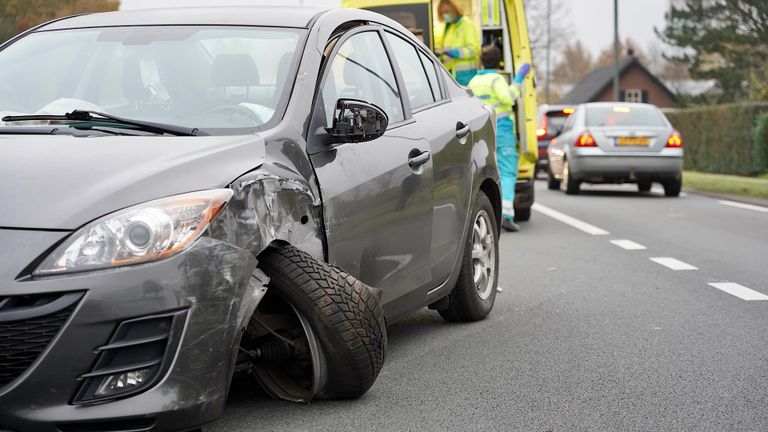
(193, 196)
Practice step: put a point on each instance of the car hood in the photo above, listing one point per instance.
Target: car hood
(62, 182)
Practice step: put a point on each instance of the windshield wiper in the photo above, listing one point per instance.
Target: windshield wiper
(95, 116)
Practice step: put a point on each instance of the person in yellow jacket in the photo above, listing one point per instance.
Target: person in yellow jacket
(457, 42)
(492, 88)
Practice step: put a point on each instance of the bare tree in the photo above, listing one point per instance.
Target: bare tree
(548, 23)
(605, 57)
(576, 63)
(537, 14)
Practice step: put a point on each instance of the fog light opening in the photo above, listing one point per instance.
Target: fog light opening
(123, 382)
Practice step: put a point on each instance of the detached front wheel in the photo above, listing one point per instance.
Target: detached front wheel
(319, 332)
(475, 292)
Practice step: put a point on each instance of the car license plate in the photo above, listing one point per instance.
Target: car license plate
(633, 141)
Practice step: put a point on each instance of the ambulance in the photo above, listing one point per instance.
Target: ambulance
(501, 22)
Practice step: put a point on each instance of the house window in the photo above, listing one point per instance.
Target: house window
(633, 95)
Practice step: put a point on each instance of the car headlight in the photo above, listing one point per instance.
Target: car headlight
(138, 234)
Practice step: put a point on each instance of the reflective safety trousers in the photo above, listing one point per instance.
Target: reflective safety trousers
(464, 37)
(507, 159)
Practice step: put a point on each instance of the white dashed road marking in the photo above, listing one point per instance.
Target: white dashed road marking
(739, 291)
(744, 206)
(672, 263)
(628, 245)
(568, 220)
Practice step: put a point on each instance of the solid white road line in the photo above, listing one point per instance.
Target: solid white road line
(744, 206)
(628, 245)
(672, 263)
(568, 220)
(739, 291)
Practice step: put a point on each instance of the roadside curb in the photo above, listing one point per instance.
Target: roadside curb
(730, 197)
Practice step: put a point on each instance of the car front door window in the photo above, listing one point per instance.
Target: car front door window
(416, 81)
(361, 70)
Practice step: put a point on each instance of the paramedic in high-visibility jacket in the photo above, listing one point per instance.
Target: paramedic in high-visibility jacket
(457, 41)
(492, 88)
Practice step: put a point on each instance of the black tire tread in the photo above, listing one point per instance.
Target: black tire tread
(523, 215)
(346, 315)
(463, 303)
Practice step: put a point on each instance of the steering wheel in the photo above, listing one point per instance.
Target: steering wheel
(230, 112)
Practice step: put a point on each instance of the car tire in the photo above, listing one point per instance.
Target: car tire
(673, 187)
(344, 313)
(552, 182)
(644, 186)
(469, 301)
(569, 185)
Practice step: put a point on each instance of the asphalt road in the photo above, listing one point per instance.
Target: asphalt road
(586, 335)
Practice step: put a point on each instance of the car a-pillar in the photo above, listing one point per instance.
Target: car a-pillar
(318, 331)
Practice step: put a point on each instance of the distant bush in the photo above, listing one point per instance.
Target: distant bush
(724, 139)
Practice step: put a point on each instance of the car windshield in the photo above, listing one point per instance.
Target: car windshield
(223, 80)
(624, 115)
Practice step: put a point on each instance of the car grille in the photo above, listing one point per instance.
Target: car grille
(25, 333)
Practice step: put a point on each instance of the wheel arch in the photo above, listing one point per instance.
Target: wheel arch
(491, 189)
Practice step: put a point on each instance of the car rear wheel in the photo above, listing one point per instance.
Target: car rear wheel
(673, 187)
(552, 182)
(475, 292)
(318, 332)
(644, 186)
(569, 185)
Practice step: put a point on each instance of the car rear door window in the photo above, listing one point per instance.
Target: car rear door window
(429, 66)
(361, 70)
(415, 77)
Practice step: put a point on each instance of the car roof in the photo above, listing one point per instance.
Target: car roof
(272, 16)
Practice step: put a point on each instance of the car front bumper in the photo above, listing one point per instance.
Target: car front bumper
(627, 167)
(209, 291)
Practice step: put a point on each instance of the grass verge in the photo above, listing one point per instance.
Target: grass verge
(747, 186)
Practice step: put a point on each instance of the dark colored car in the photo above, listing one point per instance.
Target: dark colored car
(195, 194)
(551, 121)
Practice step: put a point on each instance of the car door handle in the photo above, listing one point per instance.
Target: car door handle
(419, 159)
(462, 130)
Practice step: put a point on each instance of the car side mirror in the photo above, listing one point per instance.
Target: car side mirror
(357, 121)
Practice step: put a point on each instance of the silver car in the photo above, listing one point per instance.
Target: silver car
(608, 142)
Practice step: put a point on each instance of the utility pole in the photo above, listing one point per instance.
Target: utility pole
(549, 50)
(616, 50)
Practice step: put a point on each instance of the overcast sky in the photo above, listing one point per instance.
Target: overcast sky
(592, 20)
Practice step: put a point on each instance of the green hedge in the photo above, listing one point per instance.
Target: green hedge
(725, 139)
(760, 144)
